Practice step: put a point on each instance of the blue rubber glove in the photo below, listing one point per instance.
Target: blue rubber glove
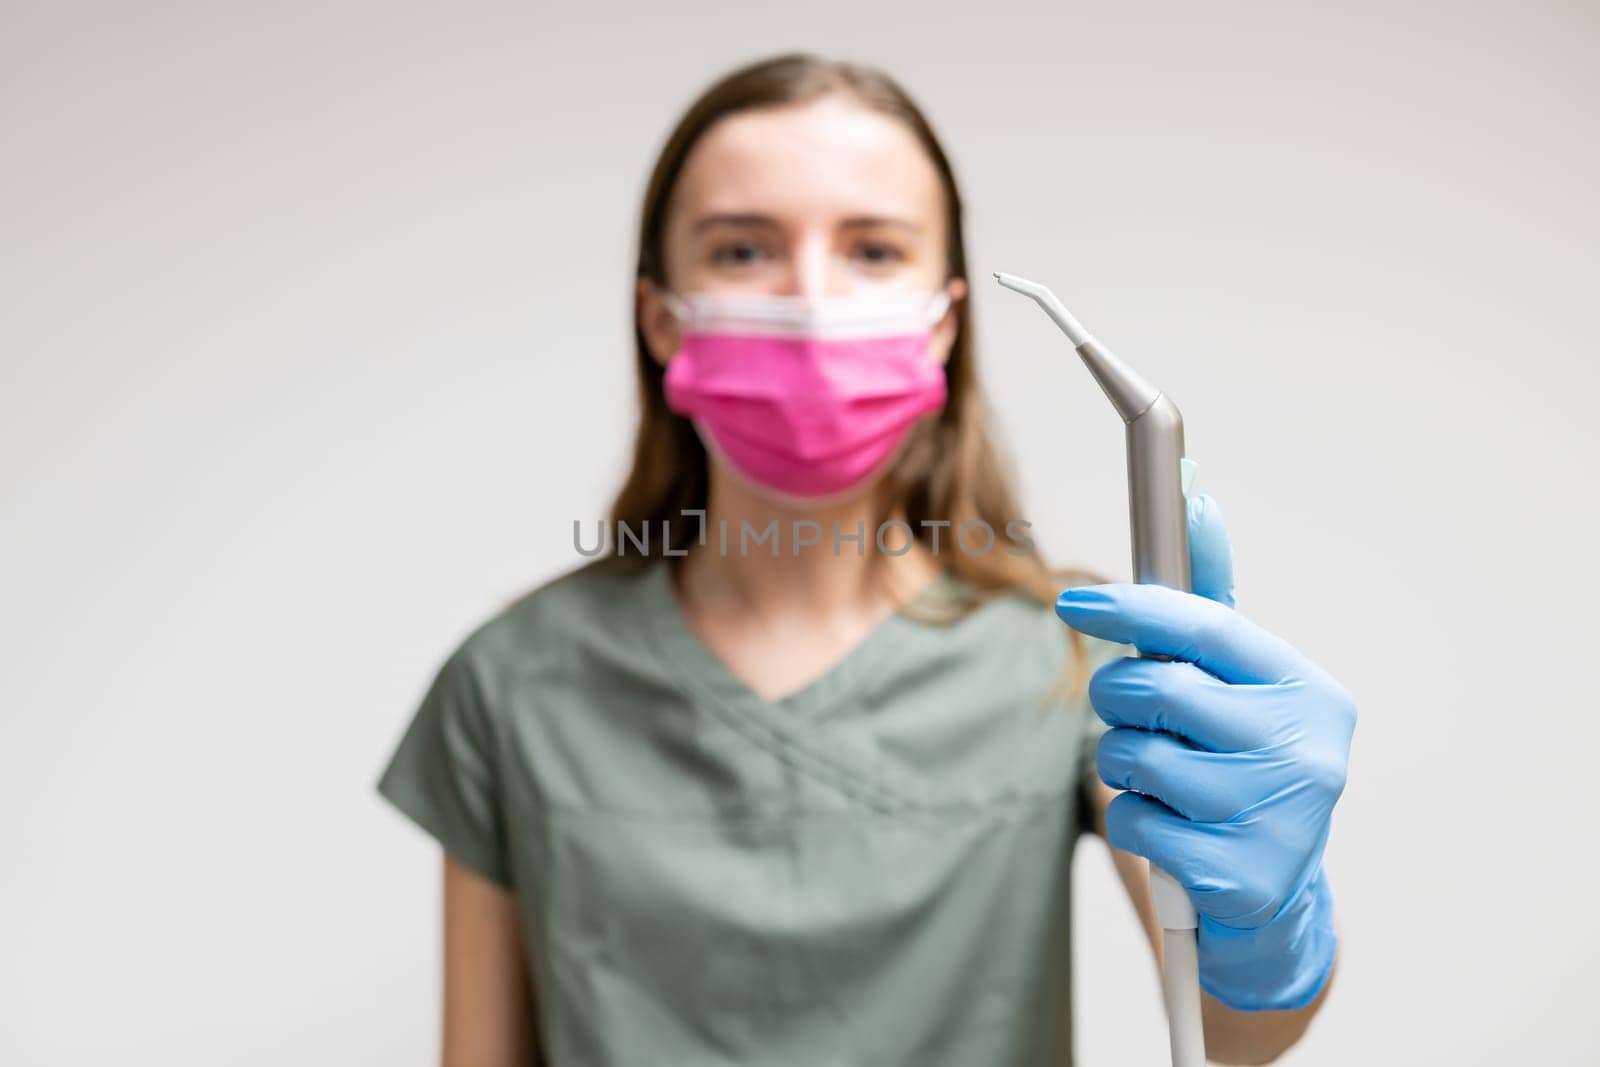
(1234, 753)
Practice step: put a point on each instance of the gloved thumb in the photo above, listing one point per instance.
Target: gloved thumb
(1210, 553)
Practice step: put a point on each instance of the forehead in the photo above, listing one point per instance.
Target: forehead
(824, 158)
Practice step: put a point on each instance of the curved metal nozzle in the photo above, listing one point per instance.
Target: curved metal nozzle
(1127, 390)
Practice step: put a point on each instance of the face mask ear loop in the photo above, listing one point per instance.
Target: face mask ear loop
(941, 304)
(679, 310)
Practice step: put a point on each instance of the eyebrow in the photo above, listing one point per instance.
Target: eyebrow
(747, 218)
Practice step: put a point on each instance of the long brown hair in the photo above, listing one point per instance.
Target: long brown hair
(947, 472)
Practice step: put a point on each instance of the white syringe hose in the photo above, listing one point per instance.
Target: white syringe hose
(1180, 969)
(1180, 989)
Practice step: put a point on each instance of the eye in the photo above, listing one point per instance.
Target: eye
(877, 252)
(737, 253)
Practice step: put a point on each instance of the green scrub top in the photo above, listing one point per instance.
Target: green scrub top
(871, 871)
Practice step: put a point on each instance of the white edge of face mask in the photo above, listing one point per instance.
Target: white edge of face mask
(784, 314)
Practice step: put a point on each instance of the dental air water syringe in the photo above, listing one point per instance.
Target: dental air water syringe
(1158, 476)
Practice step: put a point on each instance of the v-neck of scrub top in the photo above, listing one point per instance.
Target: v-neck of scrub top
(796, 723)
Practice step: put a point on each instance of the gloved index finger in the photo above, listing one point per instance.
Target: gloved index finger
(1170, 622)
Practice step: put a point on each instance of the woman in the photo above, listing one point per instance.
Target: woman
(792, 775)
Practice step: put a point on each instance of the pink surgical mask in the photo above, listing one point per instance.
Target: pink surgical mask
(805, 397)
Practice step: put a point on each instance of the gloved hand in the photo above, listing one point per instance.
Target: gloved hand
(1233, 753)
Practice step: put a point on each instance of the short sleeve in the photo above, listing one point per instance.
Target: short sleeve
(442, 775)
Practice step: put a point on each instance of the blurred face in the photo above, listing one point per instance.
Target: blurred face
(823, 199)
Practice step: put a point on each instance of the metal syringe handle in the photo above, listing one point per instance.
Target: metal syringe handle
(1159, 521)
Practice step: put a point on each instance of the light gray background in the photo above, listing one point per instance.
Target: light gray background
(316, 339)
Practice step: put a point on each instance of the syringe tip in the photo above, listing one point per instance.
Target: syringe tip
(1130, 394)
